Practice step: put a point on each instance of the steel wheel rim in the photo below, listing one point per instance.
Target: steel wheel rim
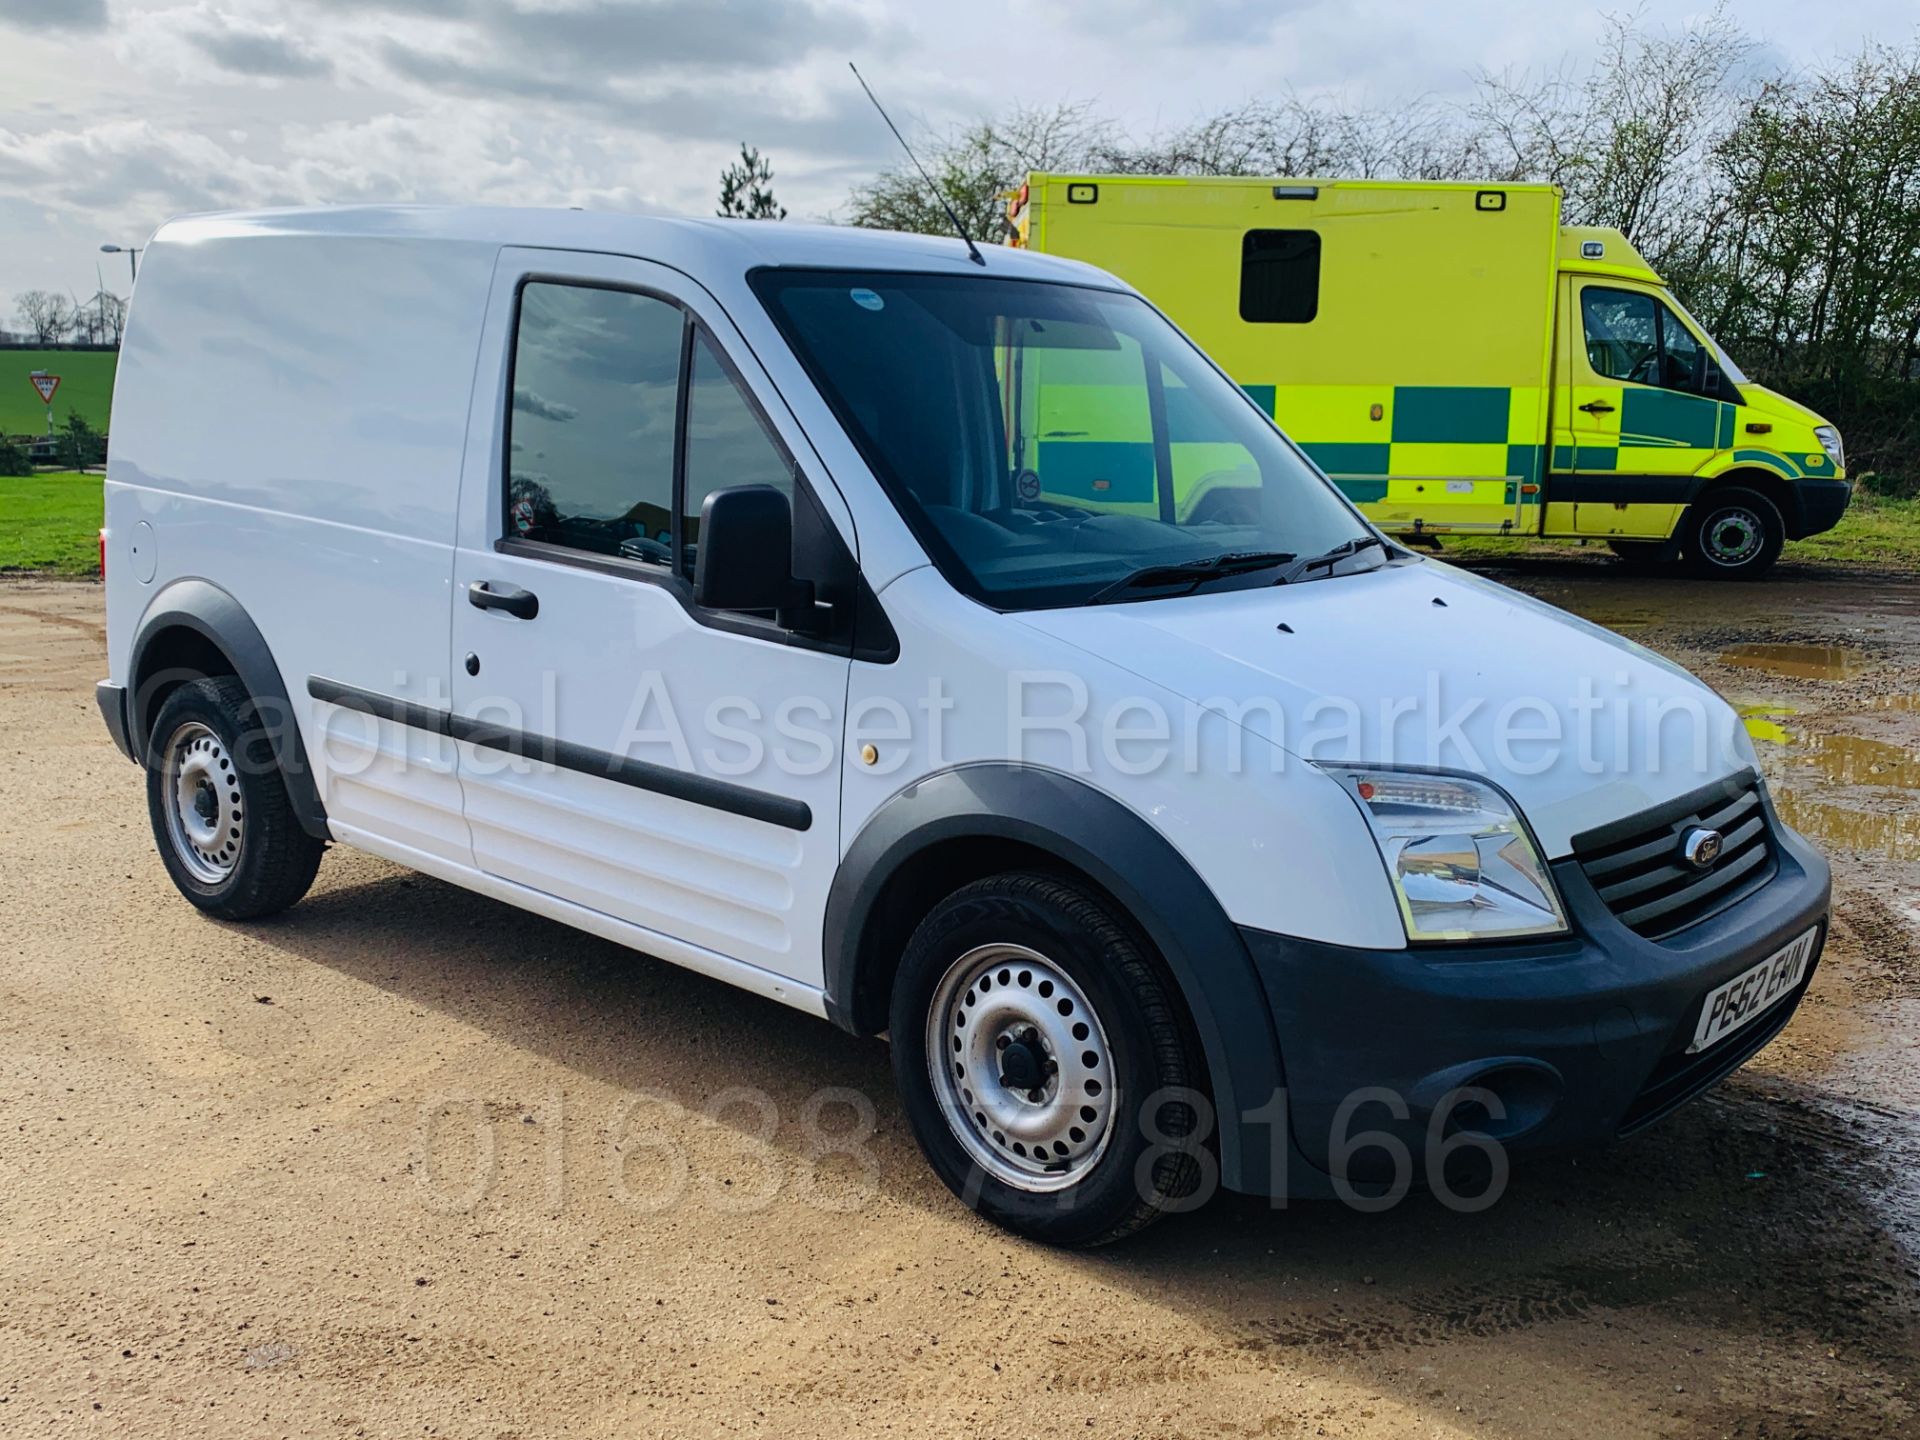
(1732, 536)
(200, 789)
(1041, 1137)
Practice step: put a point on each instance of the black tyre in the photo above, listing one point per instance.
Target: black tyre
(1043, 1066)
(1733, 533)
(221, 816)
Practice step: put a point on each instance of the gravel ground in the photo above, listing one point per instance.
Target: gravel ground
(405, 1161)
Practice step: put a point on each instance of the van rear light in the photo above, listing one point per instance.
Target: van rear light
(103, 552)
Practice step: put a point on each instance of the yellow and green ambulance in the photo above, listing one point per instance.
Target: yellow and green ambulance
(1456, 359)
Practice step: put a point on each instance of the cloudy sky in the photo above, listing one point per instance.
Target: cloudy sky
(115, 114)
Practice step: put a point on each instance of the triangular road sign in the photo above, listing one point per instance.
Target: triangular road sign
(46, 384)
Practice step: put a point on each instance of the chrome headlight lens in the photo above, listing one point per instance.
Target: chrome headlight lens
(1829, 439)
(1460, 857)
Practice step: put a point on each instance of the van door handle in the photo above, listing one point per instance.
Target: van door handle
(1597, 407)
(521, 604)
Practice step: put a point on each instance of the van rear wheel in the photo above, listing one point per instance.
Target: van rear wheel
(220, 810)
(1042, 1064)
(1734, 533)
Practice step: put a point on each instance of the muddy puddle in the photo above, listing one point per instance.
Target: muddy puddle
(1804, 765)
(1799, 662)
(1894, 837)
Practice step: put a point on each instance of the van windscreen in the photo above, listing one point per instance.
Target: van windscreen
(1045, 441)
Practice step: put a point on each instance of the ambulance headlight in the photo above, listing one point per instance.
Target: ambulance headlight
(1829, 439)
(1461, 859)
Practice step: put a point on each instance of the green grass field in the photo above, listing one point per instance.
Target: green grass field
(50, 522)
(86, 386)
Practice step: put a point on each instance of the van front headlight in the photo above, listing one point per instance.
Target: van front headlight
(1461, 859)
(1829, 439)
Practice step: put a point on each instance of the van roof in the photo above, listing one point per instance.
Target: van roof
(686, 242)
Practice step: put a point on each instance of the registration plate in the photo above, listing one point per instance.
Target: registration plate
(1752, 992)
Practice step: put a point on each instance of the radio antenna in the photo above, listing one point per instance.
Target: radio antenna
(973, 251)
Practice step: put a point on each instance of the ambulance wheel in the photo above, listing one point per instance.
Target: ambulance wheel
(1734, 534)
(1043, 1065)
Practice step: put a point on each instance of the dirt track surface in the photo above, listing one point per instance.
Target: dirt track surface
(405, 1161)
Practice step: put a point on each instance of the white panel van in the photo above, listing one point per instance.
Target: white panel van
(697, 584)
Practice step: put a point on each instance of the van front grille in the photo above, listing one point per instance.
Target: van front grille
(1642, 877)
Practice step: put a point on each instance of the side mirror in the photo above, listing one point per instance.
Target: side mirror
(744, 558)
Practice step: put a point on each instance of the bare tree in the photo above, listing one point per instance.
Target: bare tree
(1629, 139)
(1784, 208)
(1816, 273)
(975, 169)
(110, 311)
(49, 316)
(1305, 138)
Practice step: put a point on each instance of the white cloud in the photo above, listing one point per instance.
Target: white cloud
(64, 15)
(258, 53)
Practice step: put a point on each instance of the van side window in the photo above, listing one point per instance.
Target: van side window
(1280, 276)
(590, 433)
(726, 443)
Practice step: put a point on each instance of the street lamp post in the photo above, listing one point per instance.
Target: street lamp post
(132, 252)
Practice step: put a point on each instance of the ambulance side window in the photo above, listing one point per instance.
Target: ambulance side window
(1632, 336)
(1280, 276)
(1623, 334)
(1684, 362)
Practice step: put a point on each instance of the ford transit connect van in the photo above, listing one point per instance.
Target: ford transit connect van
(704, 585)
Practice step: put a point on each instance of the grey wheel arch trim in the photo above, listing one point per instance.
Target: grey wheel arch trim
(210, 612)
(1126, 857)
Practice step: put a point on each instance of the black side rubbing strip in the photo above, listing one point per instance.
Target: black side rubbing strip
(722, 795)
(371, 702)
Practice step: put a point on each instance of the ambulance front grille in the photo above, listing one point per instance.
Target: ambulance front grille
(1641, 876)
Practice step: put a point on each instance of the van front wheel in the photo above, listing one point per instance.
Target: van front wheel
(1042, 1065)
(1734, 534)
(220, 810)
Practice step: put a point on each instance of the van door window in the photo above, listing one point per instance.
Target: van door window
(590, 433)
(727, 442)
(1280, 276)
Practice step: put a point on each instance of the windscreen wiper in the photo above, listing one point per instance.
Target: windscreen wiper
(1326, 558)
(1189, 572)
